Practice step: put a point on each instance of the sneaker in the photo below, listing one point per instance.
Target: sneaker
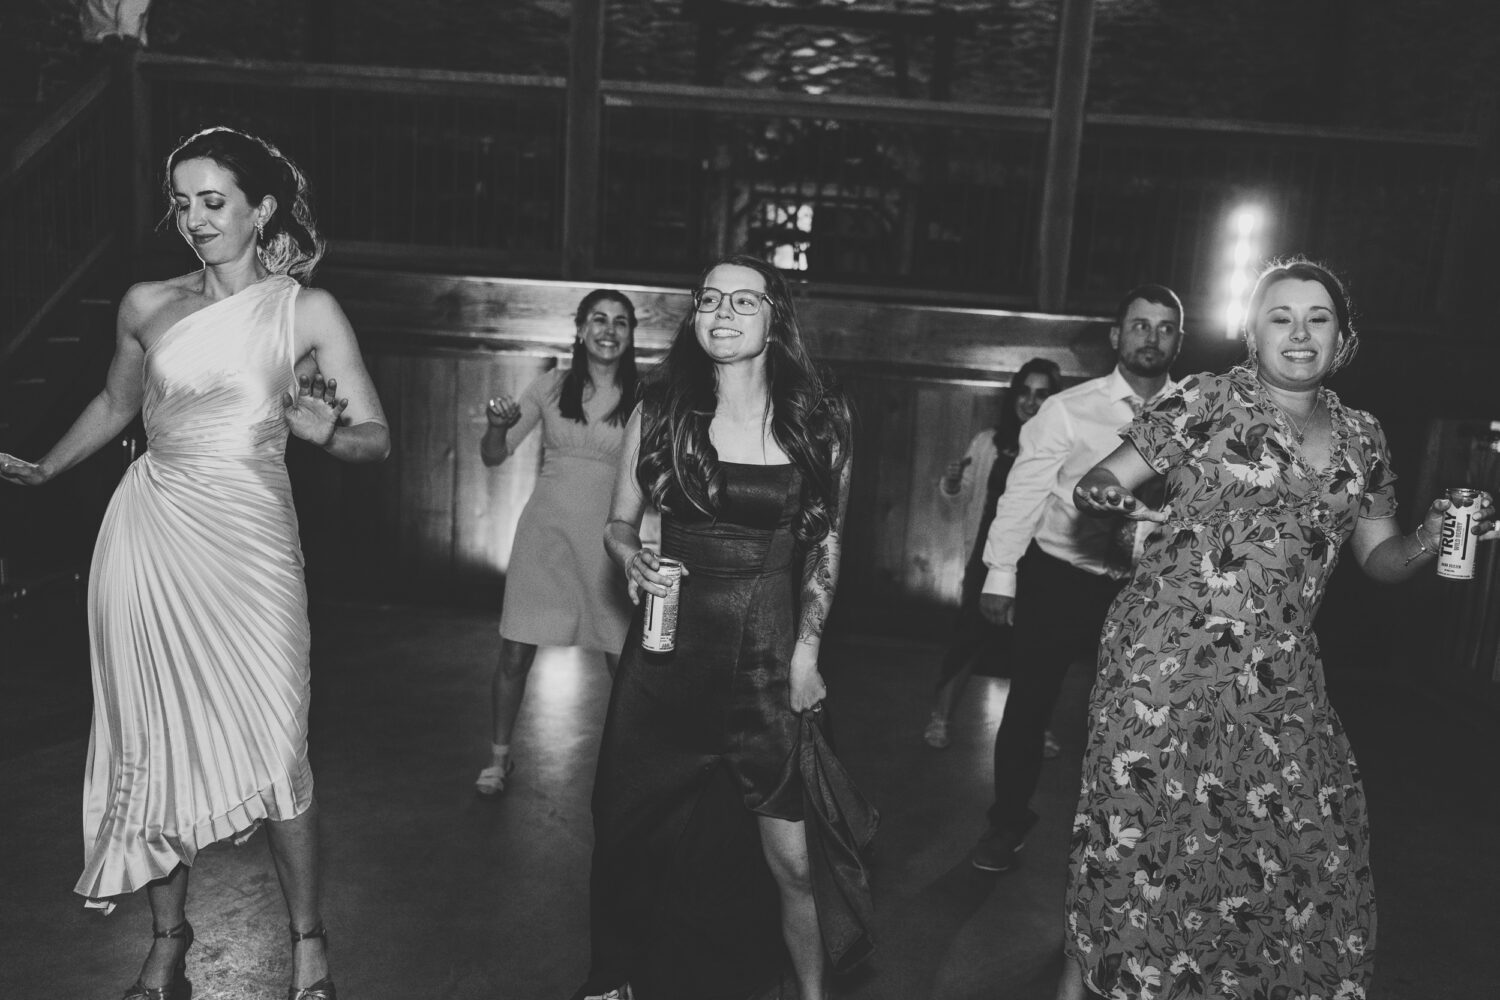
(618, 993)
(1050, 747)
(997, 849)
(936, 733)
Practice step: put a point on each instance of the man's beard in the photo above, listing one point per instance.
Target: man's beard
(1159, 364)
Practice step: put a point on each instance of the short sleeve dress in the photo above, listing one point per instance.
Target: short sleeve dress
(1221, 844)
(562, 589)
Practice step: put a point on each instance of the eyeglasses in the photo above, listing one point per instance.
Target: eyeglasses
(746, 302)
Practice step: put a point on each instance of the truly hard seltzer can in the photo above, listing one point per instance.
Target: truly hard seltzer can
(1456, 547)
(659, 632)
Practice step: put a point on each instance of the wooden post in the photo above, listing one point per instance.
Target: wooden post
(582, 162)
(1475, 205)
(320, 40)
(706, 63)
(144, 198)
(944, 37)
(1075, 36)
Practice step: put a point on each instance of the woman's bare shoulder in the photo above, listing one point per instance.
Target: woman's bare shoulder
(145, 301)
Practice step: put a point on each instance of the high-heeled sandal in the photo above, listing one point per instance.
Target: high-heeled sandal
(180, 988)
(323, 989)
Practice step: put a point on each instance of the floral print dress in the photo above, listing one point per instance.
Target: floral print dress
(1221, 845)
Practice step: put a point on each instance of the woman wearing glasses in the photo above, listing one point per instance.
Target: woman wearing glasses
(703, 825)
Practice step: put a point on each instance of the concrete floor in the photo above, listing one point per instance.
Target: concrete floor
(432, 892)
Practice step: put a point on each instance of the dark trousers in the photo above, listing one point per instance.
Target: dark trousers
(1059, 611)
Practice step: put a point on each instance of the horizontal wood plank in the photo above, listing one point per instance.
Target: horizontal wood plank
(533, 316)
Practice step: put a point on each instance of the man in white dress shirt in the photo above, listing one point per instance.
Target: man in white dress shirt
(1052, 572)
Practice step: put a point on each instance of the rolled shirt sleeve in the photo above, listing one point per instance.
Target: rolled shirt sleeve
(1046, 442)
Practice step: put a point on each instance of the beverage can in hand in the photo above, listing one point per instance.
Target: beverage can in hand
(1456, 546)
(659, 630)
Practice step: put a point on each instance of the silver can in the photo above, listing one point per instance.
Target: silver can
(659, 630)
(1456, 546)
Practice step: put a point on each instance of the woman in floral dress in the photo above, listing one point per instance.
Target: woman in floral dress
(1221, 845)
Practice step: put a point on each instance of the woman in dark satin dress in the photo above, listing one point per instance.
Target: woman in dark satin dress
(717, 803)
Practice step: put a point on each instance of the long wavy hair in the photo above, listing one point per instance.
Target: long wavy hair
(1008, 430)
(290, 243)
(570, 395)
(809, 416)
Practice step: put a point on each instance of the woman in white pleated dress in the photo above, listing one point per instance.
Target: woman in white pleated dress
(197, 605)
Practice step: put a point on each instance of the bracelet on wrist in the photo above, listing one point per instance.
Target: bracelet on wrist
(1422, 549)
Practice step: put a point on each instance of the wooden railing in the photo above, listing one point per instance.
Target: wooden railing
(62, 189)
(437, 170)
(894, 199)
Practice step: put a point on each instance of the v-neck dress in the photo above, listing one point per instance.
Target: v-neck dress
(197, 608)
(562, 589)
(1221, 844)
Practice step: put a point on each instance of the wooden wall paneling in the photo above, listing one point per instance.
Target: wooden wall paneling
(925, 520)
(536, 315)
(438, 526)
(892, 404)
(425, 538)
(488, 502)
(856, 560)
(373, 531)
(936, 547)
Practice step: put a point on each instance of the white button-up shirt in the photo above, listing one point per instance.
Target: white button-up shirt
(1069, 435)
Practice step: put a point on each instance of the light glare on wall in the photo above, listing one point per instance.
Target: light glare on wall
(1243, 248)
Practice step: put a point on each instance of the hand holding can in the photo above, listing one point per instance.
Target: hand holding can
(659, 623)
(644, 574)
(1470, 516)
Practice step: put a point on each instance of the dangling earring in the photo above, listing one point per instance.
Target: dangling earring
(260, 229)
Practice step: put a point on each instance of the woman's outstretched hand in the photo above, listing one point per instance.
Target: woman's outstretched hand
(22, 473)
(953, 476)
(1117, 500)
(313, 413)
(502, 412)
(642, 573)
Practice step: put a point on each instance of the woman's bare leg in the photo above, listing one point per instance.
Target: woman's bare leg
(785, 846)
(508, 688)
(168, 899)
(951, 687)
(294, 848)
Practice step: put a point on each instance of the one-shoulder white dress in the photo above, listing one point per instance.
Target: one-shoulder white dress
(197, 606)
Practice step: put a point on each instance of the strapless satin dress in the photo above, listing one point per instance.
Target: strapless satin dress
(197, 607)
(698, 743)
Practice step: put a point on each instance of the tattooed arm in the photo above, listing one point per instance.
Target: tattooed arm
(820, 576)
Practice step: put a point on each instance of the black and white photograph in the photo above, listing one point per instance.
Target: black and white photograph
(749, 499)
